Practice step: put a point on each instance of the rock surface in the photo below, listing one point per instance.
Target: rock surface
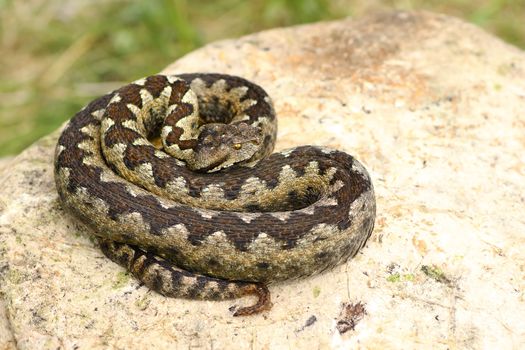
(431, 105)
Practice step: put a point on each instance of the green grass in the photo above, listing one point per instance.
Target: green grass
(58, 55)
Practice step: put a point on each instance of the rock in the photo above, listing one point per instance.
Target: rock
(431, 105)
(4, 162)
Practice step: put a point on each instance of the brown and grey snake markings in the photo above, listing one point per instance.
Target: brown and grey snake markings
(211, 213)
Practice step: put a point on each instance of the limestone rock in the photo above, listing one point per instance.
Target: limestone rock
(434, 107)
(4, 162)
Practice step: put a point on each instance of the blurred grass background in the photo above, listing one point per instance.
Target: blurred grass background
(57, 55)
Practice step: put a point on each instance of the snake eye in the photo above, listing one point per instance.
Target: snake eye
(237, 146)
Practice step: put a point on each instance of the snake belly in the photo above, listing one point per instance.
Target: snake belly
(208, 234)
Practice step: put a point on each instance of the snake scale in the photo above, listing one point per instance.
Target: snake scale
(176, 177)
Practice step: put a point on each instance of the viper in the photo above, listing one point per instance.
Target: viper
(176, 178)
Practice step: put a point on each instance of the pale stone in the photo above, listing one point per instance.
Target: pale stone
(434, 108)
(4, 162)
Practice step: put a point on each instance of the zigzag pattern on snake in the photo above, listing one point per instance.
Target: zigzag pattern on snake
(210, 213)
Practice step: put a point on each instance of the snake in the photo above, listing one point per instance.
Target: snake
(175, 177)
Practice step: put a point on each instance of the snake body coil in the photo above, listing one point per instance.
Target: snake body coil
(219, 216)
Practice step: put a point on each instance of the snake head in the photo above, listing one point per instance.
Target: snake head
(223, 145)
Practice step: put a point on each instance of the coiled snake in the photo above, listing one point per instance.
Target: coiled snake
(219, 216)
